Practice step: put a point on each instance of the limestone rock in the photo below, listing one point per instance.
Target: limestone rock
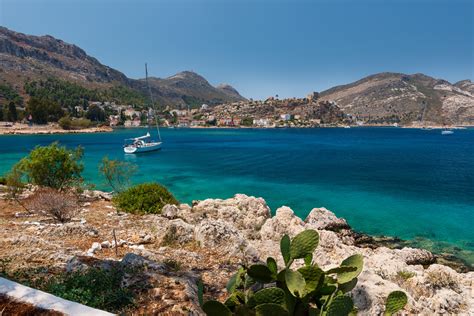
(321, 218)
(178, 232)
(170, 211)
(284, 222)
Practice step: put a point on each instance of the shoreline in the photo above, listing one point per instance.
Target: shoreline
(24, 129)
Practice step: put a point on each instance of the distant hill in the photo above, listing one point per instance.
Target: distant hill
(26, 57)
(401, 98)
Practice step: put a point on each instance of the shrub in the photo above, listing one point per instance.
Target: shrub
(67, 123)
(98, 288)
(59, 205)
(117, 173)
(146, 198)
(263, 290)
(52, 166)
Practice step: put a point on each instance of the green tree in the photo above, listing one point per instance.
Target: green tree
(52, 166)
(38, 110)
(117, 173)
(95, 113)
(12, 114)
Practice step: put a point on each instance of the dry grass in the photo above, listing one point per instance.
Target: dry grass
(60, 206)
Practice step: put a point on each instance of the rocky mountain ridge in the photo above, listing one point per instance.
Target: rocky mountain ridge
(27, 57)
(406, 99)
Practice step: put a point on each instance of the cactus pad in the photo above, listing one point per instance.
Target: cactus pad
(269, 295)
(270, 309)
(340, 305)
(304, 243)
(395, 301)
(285, 248)
(260, 273)
(215, 308)
(295, 283)
(355, 261)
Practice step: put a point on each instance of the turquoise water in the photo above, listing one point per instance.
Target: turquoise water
(413, 184)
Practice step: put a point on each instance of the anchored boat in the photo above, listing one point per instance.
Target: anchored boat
(144, 143)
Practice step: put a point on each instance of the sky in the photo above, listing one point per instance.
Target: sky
(261, 47)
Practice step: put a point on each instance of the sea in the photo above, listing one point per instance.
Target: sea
(413, 184)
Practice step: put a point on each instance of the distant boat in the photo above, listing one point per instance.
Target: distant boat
(347, 126)
(447, 132)
(144, 143)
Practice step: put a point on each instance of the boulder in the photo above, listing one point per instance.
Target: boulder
(284, 222)
(178, 232)
(321, 218)
(170, 211)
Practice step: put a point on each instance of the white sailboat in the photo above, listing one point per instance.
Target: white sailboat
(144, 143)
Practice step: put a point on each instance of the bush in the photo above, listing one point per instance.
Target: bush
(262, 289)
(98, 288)
(61, 206)
(146, 198)
(67, 123)
(117, 173)
(52, 166)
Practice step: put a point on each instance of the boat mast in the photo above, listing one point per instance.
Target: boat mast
(152, 102)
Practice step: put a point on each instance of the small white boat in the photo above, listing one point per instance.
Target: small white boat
(447, 132)
(144, 143)
(141, 144)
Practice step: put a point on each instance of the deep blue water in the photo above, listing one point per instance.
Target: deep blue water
(414, 184)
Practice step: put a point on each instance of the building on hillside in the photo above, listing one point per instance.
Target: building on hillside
(285, 117)
(204, 107)
(263, 122)
(114, 120)
(130, 112)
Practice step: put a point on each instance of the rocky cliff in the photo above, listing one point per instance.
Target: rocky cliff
(406, 99)
(24, 57)
(168, 253)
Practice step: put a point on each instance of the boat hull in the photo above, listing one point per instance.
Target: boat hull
(142, 149)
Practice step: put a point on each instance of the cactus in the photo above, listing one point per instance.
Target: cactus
(355, 261)
(295, 283)
(304, 243)
(285, 249)
(263, 290)
(396, 301)
(270, 309)
(215, 308)
(340, 305)
(260, 272)
(269, 295)
(272, 266)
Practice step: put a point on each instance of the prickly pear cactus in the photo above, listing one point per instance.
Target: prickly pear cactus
(268, 295)
(340, 305)
(215, 308)
(354, 261)
(396, 301)
(304, 243)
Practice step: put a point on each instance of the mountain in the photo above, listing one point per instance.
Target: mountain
(400, 98)
(27, 57)
(189, 88)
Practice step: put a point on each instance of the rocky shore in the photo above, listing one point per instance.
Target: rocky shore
(208, 240)
(24, 129)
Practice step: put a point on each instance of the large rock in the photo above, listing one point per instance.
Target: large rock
(284, 222)
(321, 218)
(178, 232)
(245, 213)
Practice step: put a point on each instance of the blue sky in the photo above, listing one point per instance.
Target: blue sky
(261, 47)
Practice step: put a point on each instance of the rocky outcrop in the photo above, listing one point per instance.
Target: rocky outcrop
(168, 253)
